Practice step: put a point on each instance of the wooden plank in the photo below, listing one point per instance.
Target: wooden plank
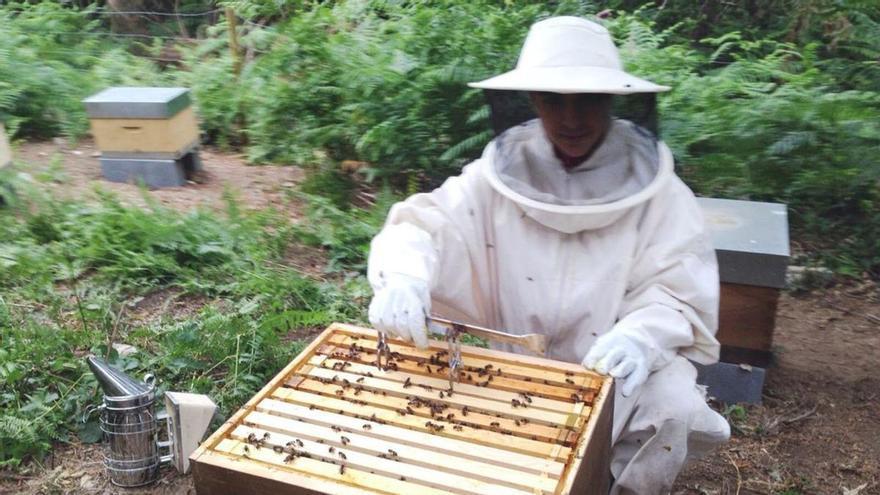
(588, 472)
(499, 388)
(377, 445)
(473, 360)
(473, 419)
(326, 470)
(489, 404)
(490, 438)
(356, 459)
(747, 316)
(147, 135)
(491, 455)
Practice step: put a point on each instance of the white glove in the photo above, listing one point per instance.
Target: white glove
(400, 308)
(618, 355)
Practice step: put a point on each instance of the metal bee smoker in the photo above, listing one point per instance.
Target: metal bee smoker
(131, 426)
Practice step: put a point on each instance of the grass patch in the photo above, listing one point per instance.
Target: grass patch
(72, 275)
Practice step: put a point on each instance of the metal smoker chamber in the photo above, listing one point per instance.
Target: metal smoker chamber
(131, 429)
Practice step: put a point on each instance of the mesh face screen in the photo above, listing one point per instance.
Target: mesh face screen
(511, 108)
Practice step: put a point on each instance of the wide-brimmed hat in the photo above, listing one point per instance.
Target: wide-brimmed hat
(569, 55)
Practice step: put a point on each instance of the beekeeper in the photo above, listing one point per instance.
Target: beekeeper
(575, 226)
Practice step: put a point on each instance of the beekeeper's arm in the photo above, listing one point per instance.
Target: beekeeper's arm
(671, 303)
(426, 247)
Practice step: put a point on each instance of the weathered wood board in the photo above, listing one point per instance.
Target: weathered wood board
(332, 422)
(5, 153)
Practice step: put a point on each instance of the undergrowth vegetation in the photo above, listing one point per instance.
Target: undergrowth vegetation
(206, 299)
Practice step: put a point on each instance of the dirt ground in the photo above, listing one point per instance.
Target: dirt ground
(74, 172)
(817, 431)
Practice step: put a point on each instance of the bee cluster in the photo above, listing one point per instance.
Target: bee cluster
(440, 414)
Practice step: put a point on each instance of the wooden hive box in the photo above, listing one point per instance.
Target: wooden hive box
(331, 422)
(156, 123)
(751, 242)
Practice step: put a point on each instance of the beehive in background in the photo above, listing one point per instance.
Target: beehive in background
(146, 134)
(751, 242)
(5, 152)
(331, 422)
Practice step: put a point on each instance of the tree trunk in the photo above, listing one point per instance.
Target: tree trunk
(127, 24)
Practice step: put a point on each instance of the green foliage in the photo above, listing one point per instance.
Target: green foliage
(71, 273)
(344, 234)
(779, 108)
(332, 183)
(383, 82)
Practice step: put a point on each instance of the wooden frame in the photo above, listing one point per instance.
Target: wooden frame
(331, 422)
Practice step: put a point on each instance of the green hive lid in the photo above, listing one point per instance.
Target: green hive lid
(137, 103)
(750, 239)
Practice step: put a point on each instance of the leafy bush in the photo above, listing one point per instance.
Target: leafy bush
(72, 272)
(344, 234)
(383, 82)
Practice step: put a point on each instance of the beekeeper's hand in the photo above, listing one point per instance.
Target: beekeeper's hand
(400, 308)
(620, 356)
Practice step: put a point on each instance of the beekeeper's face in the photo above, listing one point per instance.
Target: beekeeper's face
(575, 123)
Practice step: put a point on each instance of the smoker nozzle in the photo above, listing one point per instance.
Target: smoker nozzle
(114, 382)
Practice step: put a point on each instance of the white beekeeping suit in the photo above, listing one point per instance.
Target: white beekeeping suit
(613, 250)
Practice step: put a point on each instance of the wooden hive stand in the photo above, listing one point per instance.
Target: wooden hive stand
(332, 422)
(146, 134)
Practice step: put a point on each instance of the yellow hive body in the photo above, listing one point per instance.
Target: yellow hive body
(332, 422)
(141, 135)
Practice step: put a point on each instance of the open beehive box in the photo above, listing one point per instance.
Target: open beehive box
(332, 422)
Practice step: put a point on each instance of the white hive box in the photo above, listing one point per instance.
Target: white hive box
(5, 152)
